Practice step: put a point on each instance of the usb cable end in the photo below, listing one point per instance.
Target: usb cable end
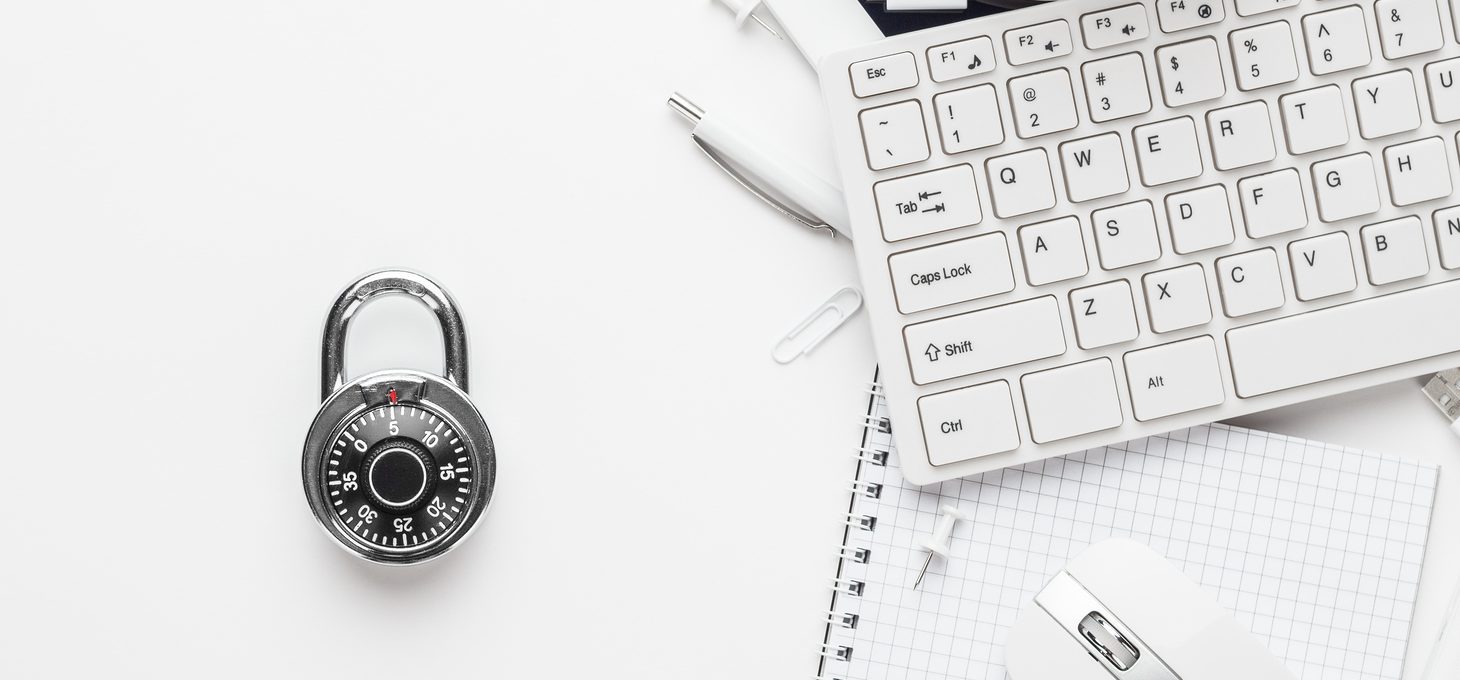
(1444, 391)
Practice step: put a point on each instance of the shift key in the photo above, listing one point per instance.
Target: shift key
(984, 340)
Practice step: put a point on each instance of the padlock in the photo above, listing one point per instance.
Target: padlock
(399, 464)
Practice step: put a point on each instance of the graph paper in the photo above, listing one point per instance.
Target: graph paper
(1315, 548)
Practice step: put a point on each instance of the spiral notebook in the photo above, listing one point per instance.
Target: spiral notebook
(1316, 548)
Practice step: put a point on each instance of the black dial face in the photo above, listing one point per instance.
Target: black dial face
(398, 476)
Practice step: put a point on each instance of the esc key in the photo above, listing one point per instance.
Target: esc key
(884, 74)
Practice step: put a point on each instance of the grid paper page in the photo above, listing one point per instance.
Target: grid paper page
(1315, 548)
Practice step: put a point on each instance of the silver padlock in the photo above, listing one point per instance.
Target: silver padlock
(398, 465)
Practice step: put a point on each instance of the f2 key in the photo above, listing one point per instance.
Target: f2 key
(1038, 42)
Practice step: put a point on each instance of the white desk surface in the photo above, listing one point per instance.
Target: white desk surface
(185, 186)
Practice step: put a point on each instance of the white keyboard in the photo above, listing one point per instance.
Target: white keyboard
(1091, 221)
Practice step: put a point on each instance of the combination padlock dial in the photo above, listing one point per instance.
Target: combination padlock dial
(398, 465)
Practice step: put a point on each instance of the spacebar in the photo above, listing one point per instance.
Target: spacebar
(1344, 340)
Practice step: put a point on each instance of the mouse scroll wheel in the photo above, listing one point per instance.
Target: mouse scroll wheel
(1112, 644)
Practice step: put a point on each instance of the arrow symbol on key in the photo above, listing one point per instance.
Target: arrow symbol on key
(936, 208)
(924, 195)
(932, 352)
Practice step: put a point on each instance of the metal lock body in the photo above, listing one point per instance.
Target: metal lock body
(398, 465)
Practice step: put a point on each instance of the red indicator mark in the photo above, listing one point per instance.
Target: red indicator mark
(392, 396)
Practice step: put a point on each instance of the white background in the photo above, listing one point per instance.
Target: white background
(184, 188)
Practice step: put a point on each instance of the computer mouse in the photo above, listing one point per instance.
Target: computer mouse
(1120, 610)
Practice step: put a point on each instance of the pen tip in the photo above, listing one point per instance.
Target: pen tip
(686, 108)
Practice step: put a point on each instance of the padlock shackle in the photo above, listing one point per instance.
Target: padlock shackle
(392, 282)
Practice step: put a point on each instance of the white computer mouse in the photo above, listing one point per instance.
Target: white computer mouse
(1119, 609)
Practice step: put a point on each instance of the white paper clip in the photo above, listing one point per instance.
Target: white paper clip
(830, 316)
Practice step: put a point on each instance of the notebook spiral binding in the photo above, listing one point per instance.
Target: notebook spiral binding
(853, 553)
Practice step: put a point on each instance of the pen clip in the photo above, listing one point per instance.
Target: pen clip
(836, 311)
(780, 206)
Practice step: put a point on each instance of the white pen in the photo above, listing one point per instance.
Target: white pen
(1445, 625)
(819, 201)
(1443, 390)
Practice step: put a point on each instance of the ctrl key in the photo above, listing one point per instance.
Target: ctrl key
(969, 422)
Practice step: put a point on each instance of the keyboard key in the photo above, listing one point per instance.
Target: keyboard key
(1272, 203)
(1345, 339)
(950, 273)
(1043, 103)
(1444, 95)
(1053, 251)
(1038, 42)
(1241, 135)
(1395, 250)
(961, 59)
(1345, 187)
(1408, 27)
(984, 340)
(1104, 314)
(1179, 15)
(1263, 56)
(927, 202)
(1447, 236)
(1337, 40)
(1314, 119)
(1322, 266)
(1167, 151)
(968, 119)
(1174, 378)
(894, 135)
(884, 74)
(1094, 167)
(1177, 298)
(1116, 87)
(1250, 282)
(1199, 219)
(1020, 183)
(1126, 234)
(1072, 400)
(1248, 8)
(967, 423)
(1114, 26)
(1190, 72)
(1418, 171)
(1386, 104)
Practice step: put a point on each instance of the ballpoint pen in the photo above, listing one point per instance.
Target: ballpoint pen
(817, 202)
(1443, 390)
(1451, 615)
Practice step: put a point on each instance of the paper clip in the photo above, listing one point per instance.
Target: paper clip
(830, 316)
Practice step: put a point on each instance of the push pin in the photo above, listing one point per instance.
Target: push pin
(745, 9)
(939, 543)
